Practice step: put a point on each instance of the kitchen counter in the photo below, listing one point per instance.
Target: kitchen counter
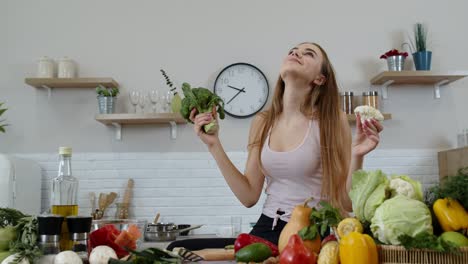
(164, 244)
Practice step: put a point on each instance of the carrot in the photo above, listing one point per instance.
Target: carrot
(134, 232)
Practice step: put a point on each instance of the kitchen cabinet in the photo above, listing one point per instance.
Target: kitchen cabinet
(63, 83)
(117, 120)
(433, 79)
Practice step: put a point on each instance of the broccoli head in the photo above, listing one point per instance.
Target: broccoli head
(203, 100)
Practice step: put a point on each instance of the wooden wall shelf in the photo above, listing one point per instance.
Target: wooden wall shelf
(53, 83)
(117, 120)
(432, 78)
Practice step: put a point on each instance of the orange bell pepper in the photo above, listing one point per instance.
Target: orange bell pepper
(450, 214)
(357, 248)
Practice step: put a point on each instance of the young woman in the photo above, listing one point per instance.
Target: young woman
(301, 145)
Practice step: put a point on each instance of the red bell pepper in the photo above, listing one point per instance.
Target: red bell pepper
(105, 236)
(245, 239)
(296, 253)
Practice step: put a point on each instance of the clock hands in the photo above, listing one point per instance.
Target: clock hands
(240, 90)
(235, 88)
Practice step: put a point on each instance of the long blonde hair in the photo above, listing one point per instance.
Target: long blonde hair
(335, 149)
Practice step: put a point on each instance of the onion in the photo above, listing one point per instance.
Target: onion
(101, 255)
(67, 257)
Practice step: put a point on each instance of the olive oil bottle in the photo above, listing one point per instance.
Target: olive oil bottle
(64, 196)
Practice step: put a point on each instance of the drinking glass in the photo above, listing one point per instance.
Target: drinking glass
(142, 102)
(154, 97)
(134, 97)
(236, 225)
(167, 101)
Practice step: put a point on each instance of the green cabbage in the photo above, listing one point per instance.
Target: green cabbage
(400, 215)
(377, 197)
(406, 186)
(362, 193)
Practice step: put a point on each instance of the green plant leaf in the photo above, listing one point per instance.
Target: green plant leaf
(169, 83)
(308, 233)
(420, 37)
(326, 216)
(425, 240)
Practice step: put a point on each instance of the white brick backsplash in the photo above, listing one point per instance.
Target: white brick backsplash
(188, 187)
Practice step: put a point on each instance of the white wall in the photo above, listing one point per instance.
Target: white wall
(186, 187)
(193, 40)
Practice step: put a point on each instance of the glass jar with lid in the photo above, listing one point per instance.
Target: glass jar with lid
(66, 68)
(371, 98)
(347, 102)
(45, 68)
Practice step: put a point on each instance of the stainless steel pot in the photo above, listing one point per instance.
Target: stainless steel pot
(164, 231)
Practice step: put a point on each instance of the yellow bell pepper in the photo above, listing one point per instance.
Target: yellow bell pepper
(357, 248)
(450, 214)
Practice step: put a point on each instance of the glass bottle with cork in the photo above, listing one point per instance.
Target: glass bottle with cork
(64, 197)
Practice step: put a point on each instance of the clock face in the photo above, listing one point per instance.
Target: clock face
(243, 88)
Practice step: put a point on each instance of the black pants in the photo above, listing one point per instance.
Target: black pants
(263, 229)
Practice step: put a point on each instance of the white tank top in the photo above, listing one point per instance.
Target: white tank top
(292, 176)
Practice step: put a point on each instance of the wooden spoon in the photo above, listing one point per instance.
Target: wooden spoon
(110, 198)
(102, 201)
(155, 221)
(128, 191)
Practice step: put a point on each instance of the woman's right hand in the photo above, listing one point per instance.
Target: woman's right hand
(202, 119)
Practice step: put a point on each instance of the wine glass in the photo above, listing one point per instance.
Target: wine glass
(166, 99)
(154, 97)
(142, 102)
(134, 97)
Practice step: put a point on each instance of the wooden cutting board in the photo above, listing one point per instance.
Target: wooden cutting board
(451, 160)
(215, 254)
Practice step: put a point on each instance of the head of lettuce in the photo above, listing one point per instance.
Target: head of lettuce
(398, 216)
(369, 190)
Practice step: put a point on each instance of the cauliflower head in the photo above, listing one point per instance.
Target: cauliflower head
(404, 185)
(368, 112)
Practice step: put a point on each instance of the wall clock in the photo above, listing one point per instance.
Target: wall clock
(243, 88)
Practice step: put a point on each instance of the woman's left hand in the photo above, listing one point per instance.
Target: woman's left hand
(367, 136)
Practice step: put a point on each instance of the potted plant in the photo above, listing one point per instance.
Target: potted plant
(421, 56)
(395, 59)
(106, 99)
(2, 125)
(176, 101)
